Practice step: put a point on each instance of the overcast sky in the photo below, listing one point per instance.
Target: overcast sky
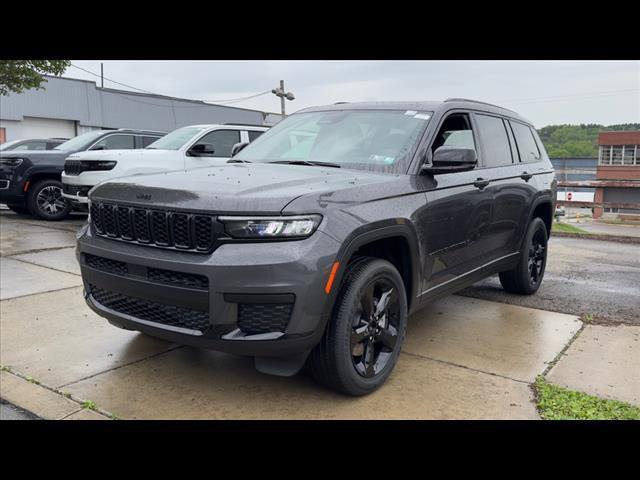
(545, 92)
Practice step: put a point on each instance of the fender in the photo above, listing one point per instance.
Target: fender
(539, 200)
(396, 227)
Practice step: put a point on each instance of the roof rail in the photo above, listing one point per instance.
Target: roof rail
(454, 99)
(340, 103)
(244, 124)
(140, 130)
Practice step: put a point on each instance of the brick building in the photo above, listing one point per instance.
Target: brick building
(618, 159)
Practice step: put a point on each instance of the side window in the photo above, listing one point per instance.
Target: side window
(494, 139)
(455, 132)
(222, 141)
(52, 145)
(115, 142)
(146, 141)
(527, 146)
(253, 134)
(32, 146)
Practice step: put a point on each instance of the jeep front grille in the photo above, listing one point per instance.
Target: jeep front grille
(159, 228)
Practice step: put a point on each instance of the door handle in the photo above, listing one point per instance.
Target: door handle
(526, 176)
(481, 183)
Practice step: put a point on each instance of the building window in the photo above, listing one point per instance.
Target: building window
(605, 154)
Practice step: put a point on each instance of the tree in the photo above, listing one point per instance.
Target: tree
(19, 75)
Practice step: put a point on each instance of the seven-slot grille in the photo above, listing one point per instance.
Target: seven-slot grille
(161, 228)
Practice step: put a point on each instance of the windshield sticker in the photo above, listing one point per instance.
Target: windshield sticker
(382, 159)
(410, 112)
(422, 116)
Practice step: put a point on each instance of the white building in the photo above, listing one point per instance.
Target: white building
(69, 107)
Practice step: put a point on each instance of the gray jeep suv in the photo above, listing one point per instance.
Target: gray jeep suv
(316, 241)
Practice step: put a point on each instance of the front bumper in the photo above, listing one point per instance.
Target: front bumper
(240, 277)
(76, 193)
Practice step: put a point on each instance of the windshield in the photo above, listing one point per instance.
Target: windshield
(81, 142)
(176, 139)
(6, 145)
(380, 140)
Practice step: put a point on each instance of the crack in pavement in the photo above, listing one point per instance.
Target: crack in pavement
(464, 366)
(46, 266)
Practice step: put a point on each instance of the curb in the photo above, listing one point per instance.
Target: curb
(597, 236)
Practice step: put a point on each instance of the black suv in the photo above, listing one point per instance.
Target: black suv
(316, 241)
(30, 180)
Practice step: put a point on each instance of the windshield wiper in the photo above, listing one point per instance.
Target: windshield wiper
(308, 162)
(237, 160)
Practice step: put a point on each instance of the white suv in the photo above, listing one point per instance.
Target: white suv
(183, 149)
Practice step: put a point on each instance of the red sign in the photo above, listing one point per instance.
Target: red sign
(569, 196)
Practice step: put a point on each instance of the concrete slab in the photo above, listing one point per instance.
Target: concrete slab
(34, 398)
(188, 383)
(26, 238)
(85, 414)
(56, 339)
(63, 259)
(602, 361)
(19, 278)
(508, 340)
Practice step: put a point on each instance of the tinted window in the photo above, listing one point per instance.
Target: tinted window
(495, 143)
(32, 146)
(222, 141)
(254, 134)
(115, 142)
(526, 143)
(146, 141)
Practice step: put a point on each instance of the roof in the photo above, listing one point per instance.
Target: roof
(628, 137)
(430, 106)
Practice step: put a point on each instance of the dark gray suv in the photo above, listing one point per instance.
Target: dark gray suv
(316, 241)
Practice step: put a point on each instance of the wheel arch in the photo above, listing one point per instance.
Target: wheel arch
(394, 241)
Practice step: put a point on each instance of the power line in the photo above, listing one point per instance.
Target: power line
(230, 100)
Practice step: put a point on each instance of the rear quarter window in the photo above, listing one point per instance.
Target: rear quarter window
(526, 143)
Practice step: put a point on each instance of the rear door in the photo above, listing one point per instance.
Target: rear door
(510, 194)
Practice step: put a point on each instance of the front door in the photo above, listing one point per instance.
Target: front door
(458, 213)
(222, 141)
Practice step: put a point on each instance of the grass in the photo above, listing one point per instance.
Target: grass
(557, 403)
(89, 404)
(567, 228)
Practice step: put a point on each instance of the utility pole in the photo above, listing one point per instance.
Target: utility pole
(279, 92)
(101, 75)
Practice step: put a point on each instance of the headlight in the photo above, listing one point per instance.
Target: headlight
(271, 227)
(11, 162)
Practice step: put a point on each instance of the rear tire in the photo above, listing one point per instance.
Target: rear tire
(45, 200)
(19, 209)
(526, 278)
(364, 337)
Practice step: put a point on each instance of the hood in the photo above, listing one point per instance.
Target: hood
(36, 156)
(118, 154)
(233, 188)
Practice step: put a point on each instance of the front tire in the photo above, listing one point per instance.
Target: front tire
(45, 200)
(364, 337)
(526, 278)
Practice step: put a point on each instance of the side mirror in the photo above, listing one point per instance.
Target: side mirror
(202, 150)
(451, 159)
(237, 147)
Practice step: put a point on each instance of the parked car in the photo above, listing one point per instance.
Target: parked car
(30, 179)
(315, 242)
(31, 144)
(187, 147)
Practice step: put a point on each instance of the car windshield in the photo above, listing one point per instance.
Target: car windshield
(176, 139)
(81, 142)
(8, 145)
(379, 140)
